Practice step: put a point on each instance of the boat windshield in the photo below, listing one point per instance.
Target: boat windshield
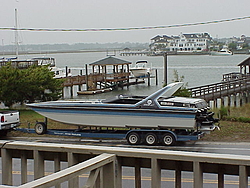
(202, 104)
(183, 102)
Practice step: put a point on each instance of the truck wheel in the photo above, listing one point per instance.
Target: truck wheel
(3, 132)
(40, 128)
(133, 138)
(151, 139)
(168, 139)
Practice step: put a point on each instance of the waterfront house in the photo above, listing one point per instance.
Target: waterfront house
(181, 43)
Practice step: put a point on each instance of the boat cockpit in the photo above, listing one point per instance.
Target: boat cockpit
(163, 101)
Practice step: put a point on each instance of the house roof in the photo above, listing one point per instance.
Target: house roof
(110, 61)
(156, 37)
(167, 37)
(175, 37)
(190, 35)
(245, 62)
(197, 35)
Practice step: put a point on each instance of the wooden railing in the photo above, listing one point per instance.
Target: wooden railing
(105, 165)
(79, 80)
(220, 89)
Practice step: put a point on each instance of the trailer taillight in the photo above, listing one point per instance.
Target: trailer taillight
(2, 119)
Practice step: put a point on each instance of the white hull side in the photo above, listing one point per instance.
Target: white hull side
(140, 72)
(221, 53)
(121, 121)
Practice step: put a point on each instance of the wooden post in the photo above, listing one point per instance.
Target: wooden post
(165, 80)
(86, 76)
(243, 177)
(118, 172)
(177, 174)
(198, 174)
(137, 174)
(155, 173)
(105, 75)
(72, 160)
(38, 164)
(71, 91)
(108, 175)
(148, 79)
(6, 166)
(24, 167)
(66, 69)
(57, 166)
(156, 77)
(220, 177)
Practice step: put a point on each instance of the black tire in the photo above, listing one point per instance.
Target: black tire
(3, 132)
(168, 139)
(151, 139)
(133, 138)
(40, 128)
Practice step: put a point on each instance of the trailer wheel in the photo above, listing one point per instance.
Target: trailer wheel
(40, 128)
(3, 132)
(133, 138)
(168, 139)
(151, 139)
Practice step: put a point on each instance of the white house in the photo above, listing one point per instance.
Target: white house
(182, 42)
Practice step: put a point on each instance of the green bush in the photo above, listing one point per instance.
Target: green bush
(223, 112)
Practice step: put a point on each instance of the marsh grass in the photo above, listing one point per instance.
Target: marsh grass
(234, 125)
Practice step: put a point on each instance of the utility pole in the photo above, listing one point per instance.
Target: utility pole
(16, 34)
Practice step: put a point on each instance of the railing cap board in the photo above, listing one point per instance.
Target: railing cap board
(71, 172)
(136, 153)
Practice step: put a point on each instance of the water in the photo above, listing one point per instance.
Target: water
(197, 69)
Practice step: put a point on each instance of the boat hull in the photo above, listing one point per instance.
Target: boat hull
(140, 72)
(151, 112)
(120, 118)
(221, 53)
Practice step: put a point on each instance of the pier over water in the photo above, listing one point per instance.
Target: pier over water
(233, 90)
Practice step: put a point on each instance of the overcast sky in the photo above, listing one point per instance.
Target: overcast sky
(83, 14)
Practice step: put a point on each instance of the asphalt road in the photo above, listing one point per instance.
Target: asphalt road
(210, 180)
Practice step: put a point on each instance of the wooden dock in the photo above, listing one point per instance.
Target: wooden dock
(134, 53)
(101, 80)
(234, 89)
(221, 89)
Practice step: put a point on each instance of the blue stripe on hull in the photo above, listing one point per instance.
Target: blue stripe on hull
(117, 113)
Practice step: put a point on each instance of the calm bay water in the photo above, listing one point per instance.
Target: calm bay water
(197, 69)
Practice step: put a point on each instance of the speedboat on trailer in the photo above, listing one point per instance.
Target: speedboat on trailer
(159, 110)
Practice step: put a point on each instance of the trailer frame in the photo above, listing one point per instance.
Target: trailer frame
(133, 136)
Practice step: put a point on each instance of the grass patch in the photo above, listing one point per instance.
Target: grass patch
(230, 132)
(28, 119)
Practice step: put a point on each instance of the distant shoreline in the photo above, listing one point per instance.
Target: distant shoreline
(52, 52)
(105, 50)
